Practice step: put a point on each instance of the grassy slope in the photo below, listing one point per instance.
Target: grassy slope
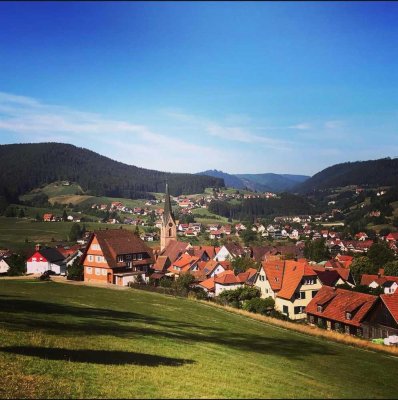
(65, 341)
(13, 232)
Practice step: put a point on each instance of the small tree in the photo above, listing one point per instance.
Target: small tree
(21, 213)
(75, 232)
(64, 216)
(183, 283)
(17, 265)
(75, 271)
(362, 265)
(380, 254)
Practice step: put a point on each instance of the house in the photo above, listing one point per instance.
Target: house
(300, 284)
(46, 259)
(184, 264)
(116, 256)
(213, 268)
(388, 283)
(291, 283)
(361, 236)
(392, 237)
(226, 281)
(229, 251)
(334, 277)
(174, 249)
(216, 234)
(269, 278)
(382, 319)
(4, 267)
(340, 309)
(48, 217)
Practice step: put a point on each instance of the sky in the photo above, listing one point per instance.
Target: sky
(242, 87)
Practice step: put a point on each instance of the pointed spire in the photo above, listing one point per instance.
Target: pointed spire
(167, 205)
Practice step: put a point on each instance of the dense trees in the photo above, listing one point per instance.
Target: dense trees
(44, 163)
(380, 254)
(362, 265)
(382, 172)
(315, 250)
(249, 209)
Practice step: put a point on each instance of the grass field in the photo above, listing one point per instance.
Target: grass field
(60, 340)
(14, 231)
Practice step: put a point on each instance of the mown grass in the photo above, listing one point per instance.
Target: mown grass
(60, 340)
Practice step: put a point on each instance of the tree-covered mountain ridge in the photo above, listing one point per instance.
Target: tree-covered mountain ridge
(267, 182)
(380, 172)
(26, 166)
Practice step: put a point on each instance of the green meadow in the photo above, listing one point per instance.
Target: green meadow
(71, 341)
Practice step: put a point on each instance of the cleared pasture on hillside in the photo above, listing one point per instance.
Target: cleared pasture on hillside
(63, 341)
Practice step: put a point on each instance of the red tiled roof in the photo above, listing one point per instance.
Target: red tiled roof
(274, 273)
(226, 278)
(391, 302)
(174, 249)
(245, 276)
(162, 263)
(336, 302)
(208, 284)
(293, 274)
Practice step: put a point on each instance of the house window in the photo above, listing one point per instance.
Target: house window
(348, 315)
(319, 308)
(300, 295)
(99, 259)
(139, 256)
(299, 309)
(119, 258)
(89, 270)
(285, 310)
(95, 247)
(314, 292)
(104, 272)
(98, 271)
(134, 256)
(90, 258)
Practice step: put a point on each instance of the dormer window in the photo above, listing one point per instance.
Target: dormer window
(119, 258)
(319, 308)
(348, 315)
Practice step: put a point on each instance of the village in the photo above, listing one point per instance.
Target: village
(280, 278)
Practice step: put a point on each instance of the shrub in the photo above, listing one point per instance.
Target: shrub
(259, 306)
(75, 271)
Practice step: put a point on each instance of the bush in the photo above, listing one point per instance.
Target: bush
(259, 306)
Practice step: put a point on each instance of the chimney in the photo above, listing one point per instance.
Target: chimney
(38, 247)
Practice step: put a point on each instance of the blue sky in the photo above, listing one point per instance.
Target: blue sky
(245, 87)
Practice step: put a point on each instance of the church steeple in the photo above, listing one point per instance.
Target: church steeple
(168, 231)
(168, 211)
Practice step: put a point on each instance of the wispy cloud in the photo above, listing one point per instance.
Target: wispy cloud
(123, 140)
(228, 131)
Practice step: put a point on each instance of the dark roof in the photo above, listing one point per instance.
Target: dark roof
(328, 277)
(52, 255)
(174, 249)
(116, 242)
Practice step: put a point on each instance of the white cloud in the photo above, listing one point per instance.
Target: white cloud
(132, 143)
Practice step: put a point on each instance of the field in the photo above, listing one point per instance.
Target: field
(68, 341)
(15, 231)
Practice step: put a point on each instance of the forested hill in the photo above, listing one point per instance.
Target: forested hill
(24, 167)
(382, 172)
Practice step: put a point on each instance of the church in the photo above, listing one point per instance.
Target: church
(168, 231)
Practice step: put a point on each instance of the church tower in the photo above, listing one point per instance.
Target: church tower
(168, 231)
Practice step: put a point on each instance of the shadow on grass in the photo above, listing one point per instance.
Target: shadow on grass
(105, 357)
(71, 321)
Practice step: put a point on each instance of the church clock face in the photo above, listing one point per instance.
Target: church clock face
(170, 224)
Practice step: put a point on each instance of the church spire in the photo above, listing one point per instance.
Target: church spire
(168, 211)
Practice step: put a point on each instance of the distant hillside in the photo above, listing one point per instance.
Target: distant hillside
(24, 167)
(229, 180)
(382, 172)
(275, 182)
(258, 182)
